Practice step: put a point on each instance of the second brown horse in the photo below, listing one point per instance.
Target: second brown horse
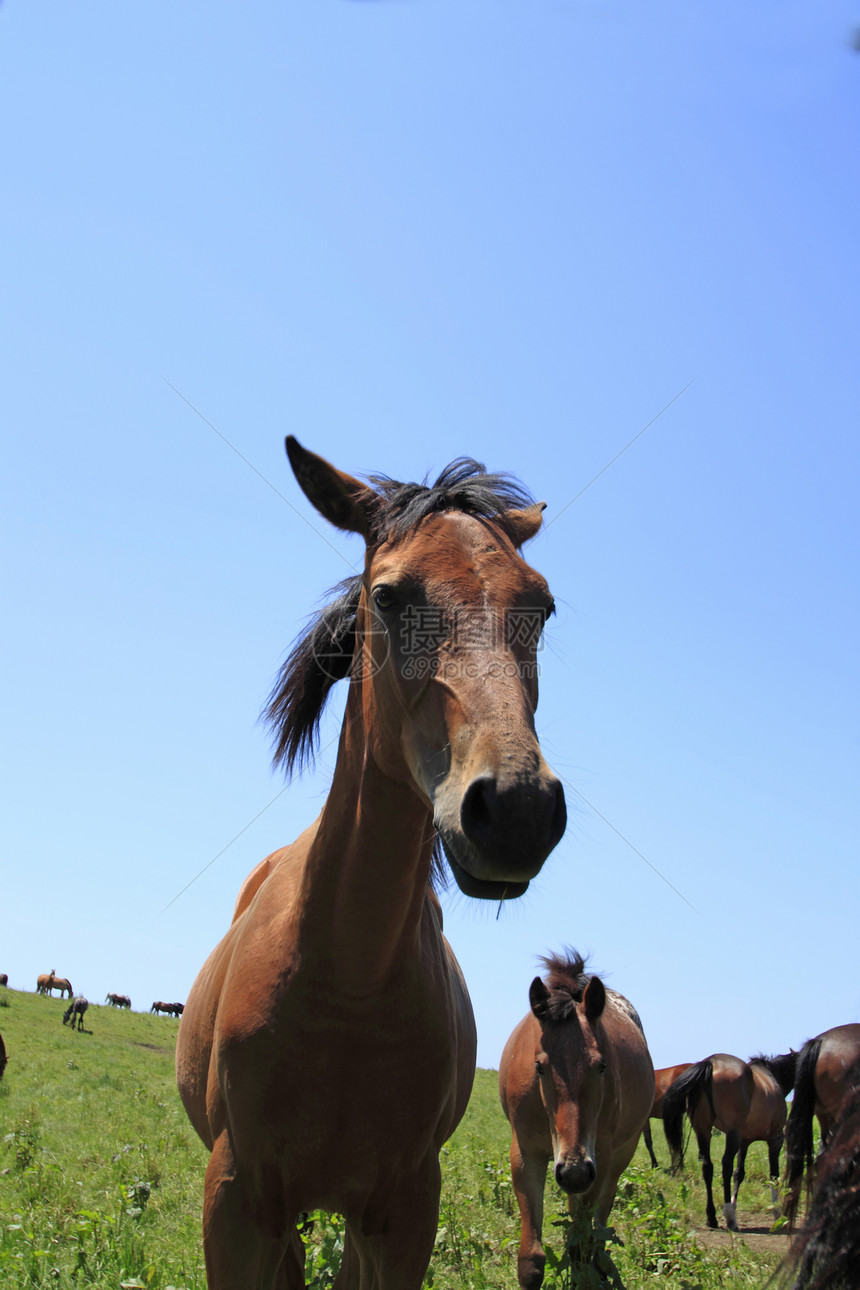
(577, 1085)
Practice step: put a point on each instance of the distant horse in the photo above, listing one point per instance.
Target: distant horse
(327, 1049)
(118, 1000)
(577, 1084)
(177, 1009)
(75, 1011)
(773, 1080)
(663, 1079)
(44, 983)
(4, 978)
(158, 1007)
(825, 1255)
(62, 984)
(716, 1093)
(825, 1072)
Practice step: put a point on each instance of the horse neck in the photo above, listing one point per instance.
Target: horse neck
(368, 865)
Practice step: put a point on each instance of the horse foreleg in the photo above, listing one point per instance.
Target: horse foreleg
(390, 1246)
(707, 1176)
(242, 1250)
(732, 1145)
(528, 1174)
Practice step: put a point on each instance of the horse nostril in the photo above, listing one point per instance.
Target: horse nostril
(476, 811)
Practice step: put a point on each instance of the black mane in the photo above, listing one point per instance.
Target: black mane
(566, 981)
(464, 485)
(324, 651)
(782, 1068)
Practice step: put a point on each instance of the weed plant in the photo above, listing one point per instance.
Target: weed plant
(101, 1181)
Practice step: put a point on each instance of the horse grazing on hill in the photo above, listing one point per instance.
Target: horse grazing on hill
(118, 1000)
(716, 1093)
(327, 1049)
(177, 1009)
(62, 984)
(44, 982)
(663, 1079)
(166, 1008)
(75, 1012)
(826, 1071)
(577, 1085)
(825, 1254)
(4, 978)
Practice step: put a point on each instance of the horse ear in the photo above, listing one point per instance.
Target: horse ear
(342, 500)
(594, 998)
(523, 525)
(539, 998)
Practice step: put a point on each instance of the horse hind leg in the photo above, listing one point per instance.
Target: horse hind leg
(649, 1143)
(707, 1176)
(740, 1174)
(731, 1150)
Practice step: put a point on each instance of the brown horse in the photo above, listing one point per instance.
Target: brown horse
(663, 1079)
(75, 1012)
(716, 1093)
(826, 1070)
(577, 1084)
(773, 1080)
(825, 1255)
(62, 984)
(328, 1045)
(45, 982)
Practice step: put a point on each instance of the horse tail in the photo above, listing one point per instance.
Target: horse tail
(799, 1143)
(684, 1095)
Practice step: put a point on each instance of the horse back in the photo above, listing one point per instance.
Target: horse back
(663, 1081)
(838, 1055)
(632, 1069)
(732, 1088)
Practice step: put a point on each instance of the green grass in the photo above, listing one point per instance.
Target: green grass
(101, 1179)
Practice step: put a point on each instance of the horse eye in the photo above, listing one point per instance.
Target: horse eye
(384, 597)
(601, 1067)
(539, 1068)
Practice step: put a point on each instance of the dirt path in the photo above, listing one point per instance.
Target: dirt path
(754, 1232)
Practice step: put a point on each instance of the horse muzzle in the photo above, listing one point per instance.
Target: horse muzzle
(575, 1176)
(504, 834)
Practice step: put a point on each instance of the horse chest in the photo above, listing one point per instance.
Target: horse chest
(329, 1074)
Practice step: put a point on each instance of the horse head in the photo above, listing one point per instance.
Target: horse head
(571, 1069)
(439, 635)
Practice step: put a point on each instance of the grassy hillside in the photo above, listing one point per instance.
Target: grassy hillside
(101, 1179)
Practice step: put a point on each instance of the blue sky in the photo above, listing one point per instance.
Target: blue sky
(406, 231)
